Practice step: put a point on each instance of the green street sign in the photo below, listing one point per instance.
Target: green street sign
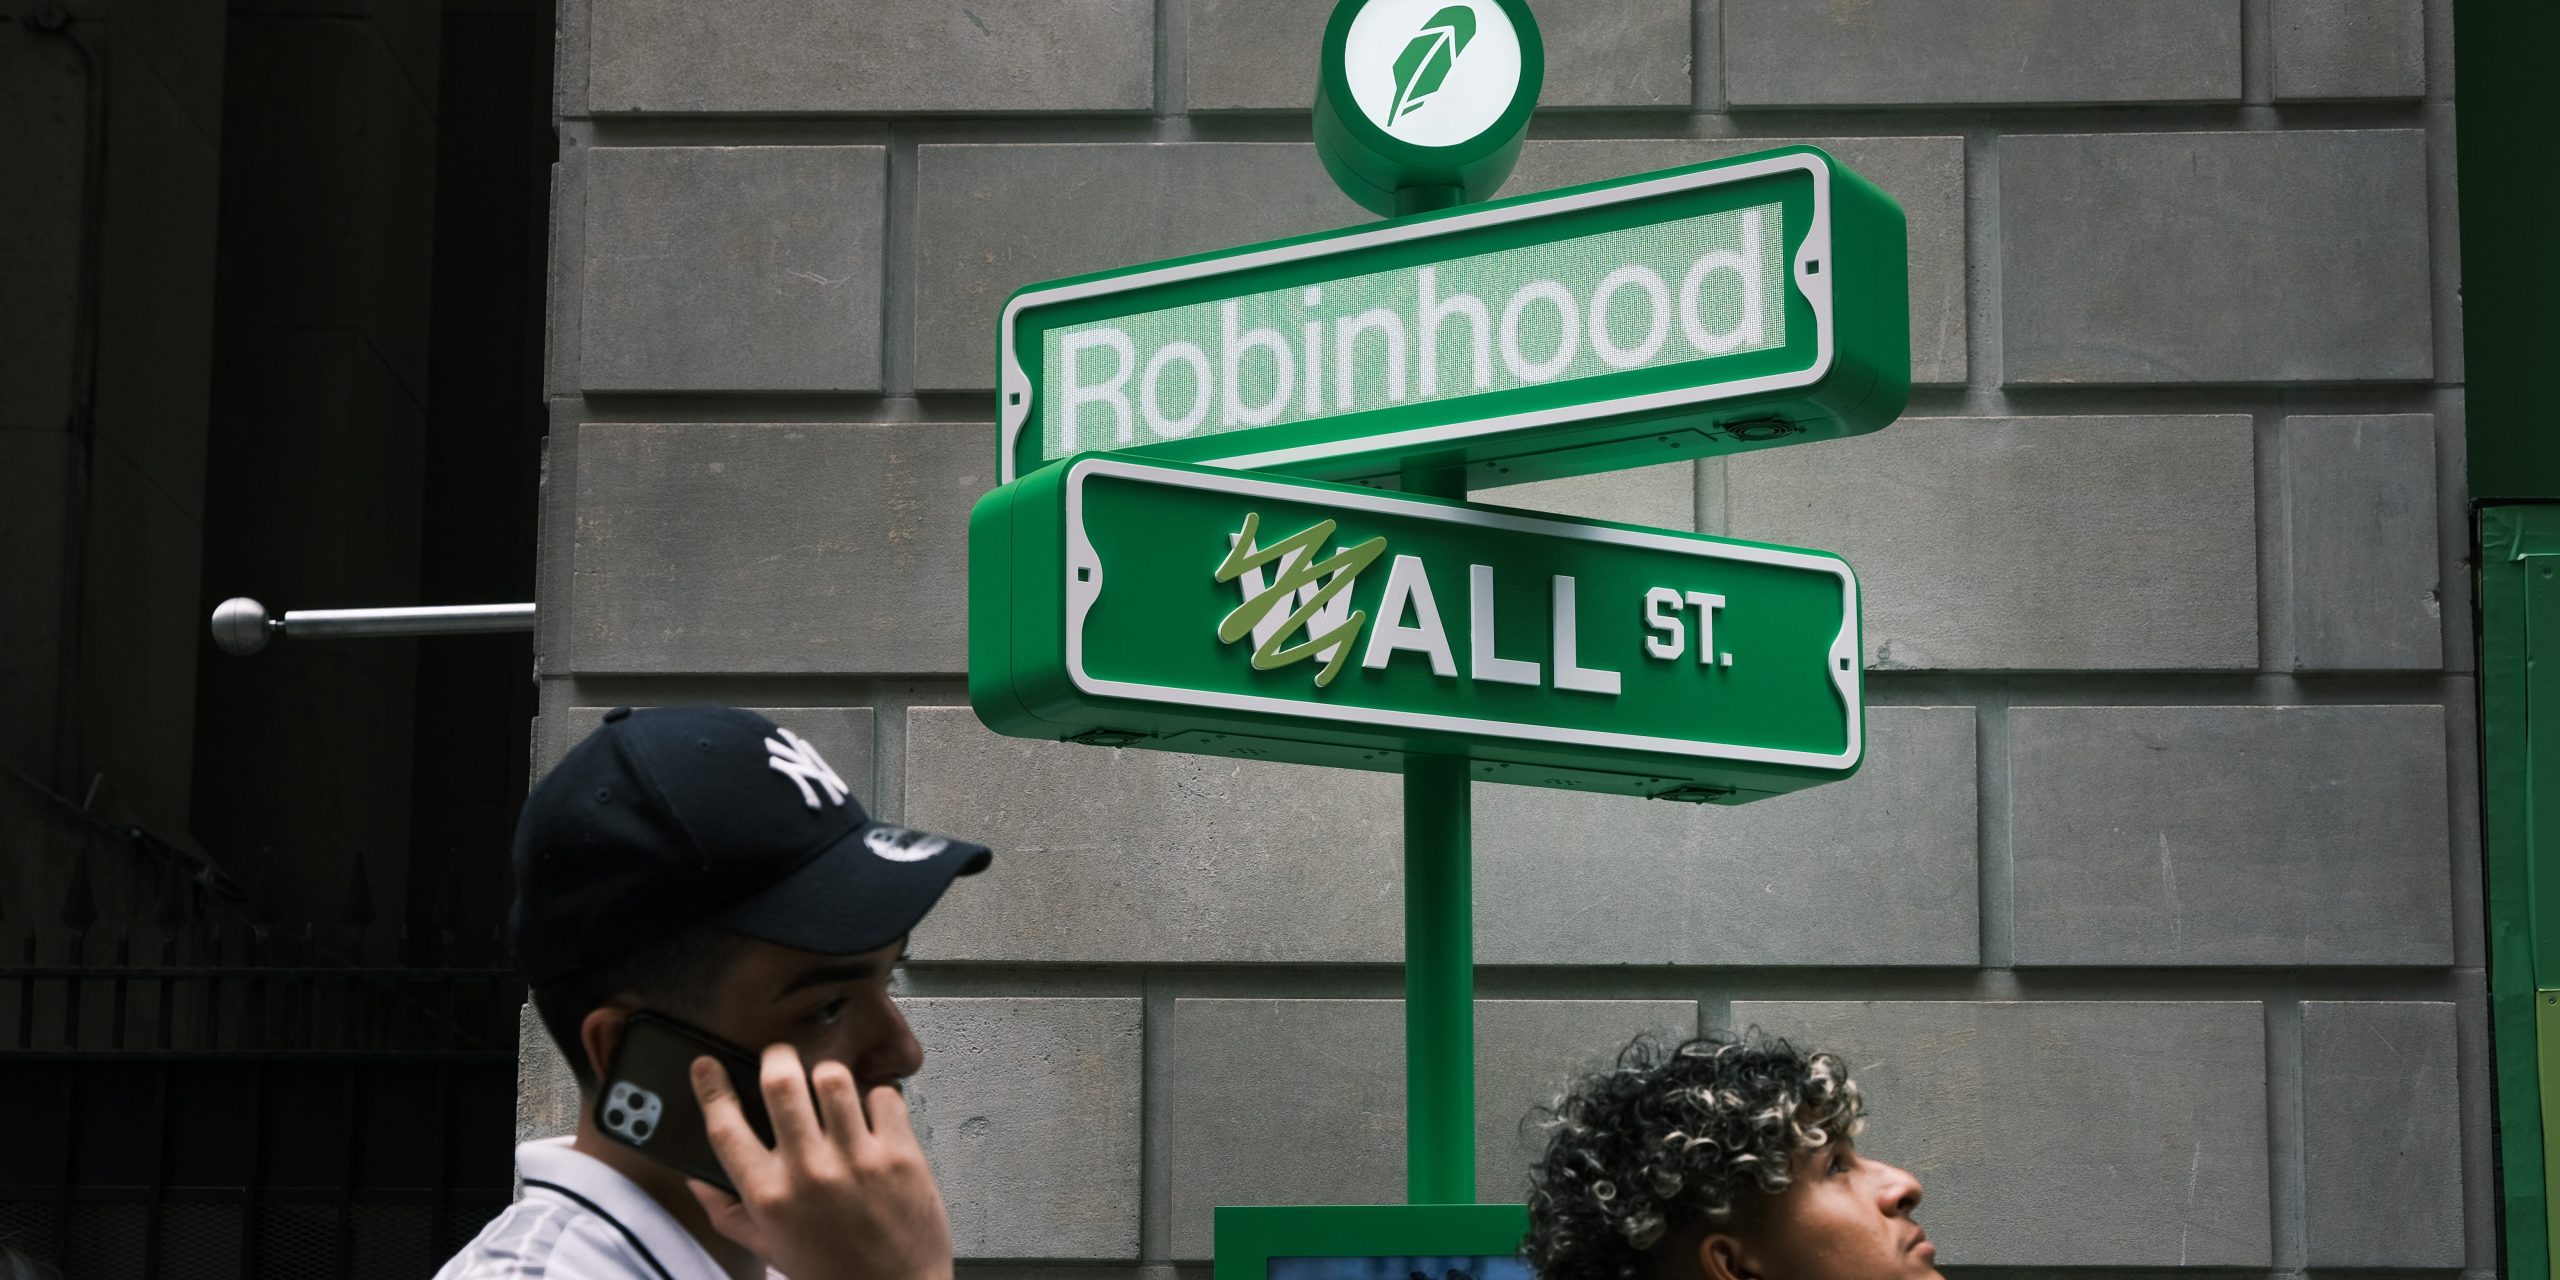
(1131, 602)
(1425, 93)
(1726, 306)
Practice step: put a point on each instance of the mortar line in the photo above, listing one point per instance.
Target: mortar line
(1155, 1136)
(2288, 1200)
(1995, 862)
(898, 239)
(2257, 57)
(1984, 348)
(1706, 58)
(2279, 649)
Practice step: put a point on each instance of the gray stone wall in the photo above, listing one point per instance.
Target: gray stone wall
(2153, 922)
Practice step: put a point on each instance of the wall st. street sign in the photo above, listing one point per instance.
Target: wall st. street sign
(1739, 304)
(1189, 608)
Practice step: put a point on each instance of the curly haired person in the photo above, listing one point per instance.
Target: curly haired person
(1720, 1158)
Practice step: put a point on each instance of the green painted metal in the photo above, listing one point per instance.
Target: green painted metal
(2509, 173)
(1373, 166)
(1439, 956)
(2547, 1048)
(1734, 305)
(2520, 782)
(1248, 1239)
(1439, 983)
(1542, 650)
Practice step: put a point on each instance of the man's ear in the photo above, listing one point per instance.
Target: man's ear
(1723, 1256)
(599, 1033)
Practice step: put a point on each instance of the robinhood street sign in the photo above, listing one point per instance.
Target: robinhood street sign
(1186, 608)
(1754, 301)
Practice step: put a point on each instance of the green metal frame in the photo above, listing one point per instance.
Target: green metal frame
(1101, 568)
(1249, 1237)
(2520, 781)
(1844, 369)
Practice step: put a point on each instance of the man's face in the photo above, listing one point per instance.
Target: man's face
(830, 1008)
(1844, 1217)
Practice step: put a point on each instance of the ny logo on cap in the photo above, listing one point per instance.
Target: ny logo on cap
(795, 759)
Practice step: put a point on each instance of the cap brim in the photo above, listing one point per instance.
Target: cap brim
(859, 894)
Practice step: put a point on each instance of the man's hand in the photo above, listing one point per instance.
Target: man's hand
(849, 1199)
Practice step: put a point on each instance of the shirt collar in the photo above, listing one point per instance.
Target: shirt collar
(554, 1161)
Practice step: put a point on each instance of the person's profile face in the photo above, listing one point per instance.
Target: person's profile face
(829, 1008)
(1843, 1217)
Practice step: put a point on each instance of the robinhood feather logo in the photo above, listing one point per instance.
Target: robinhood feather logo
(1424, 65)
(1305, 594)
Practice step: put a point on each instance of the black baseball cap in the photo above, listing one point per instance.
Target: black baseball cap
(676, 816)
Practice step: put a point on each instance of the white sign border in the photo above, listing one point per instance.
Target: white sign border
(1084, 581)
(1013, 396)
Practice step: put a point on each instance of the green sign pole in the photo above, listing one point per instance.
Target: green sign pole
(1439, 949)
(1439, 816)
(1192, 453)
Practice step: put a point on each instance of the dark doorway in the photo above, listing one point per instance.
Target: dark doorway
(268, 1028)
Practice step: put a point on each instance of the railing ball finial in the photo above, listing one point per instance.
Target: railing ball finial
(241, 626)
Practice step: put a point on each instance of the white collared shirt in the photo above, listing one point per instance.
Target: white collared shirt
(580, 1219)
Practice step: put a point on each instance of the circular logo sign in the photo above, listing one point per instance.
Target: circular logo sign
(1421, 104)
(1433, 73)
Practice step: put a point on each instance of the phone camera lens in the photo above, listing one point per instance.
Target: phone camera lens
(613, 1118)
(640, 1129)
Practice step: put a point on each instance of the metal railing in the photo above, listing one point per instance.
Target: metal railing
(242, 626)
(211, 1093)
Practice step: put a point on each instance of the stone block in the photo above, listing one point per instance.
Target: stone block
(2360, 528)
(1303, 1101)
(2349, 48)
(1819, 53)
(1924, 175)
(546, 1092)
(991, 218)
(313, 402)
(2054, 1134)
(1878, 870)
(1029, 1110)
(733, 268)
(44, 93)
(2382, 1134)
(892, 57)
(2278, 836)
(156, 286)
(180, 45)
(2291, 256)
(142, 628)
(1282, 1102)
(334, 224)
(35, 486)
(774, 547)
(843, 735)
(1664, 497)
(1152, 857)
(1260, 55)
(2019, 544)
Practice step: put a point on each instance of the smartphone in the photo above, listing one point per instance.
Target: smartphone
(647, 1100)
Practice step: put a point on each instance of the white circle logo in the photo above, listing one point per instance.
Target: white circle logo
(898, 844)
(1433, 73)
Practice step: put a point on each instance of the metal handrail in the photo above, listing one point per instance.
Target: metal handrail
(242, 626)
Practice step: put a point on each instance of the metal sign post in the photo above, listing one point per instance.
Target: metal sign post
(1189, 550)
(1439, 955)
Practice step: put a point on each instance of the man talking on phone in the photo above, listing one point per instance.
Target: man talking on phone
(705, 866)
